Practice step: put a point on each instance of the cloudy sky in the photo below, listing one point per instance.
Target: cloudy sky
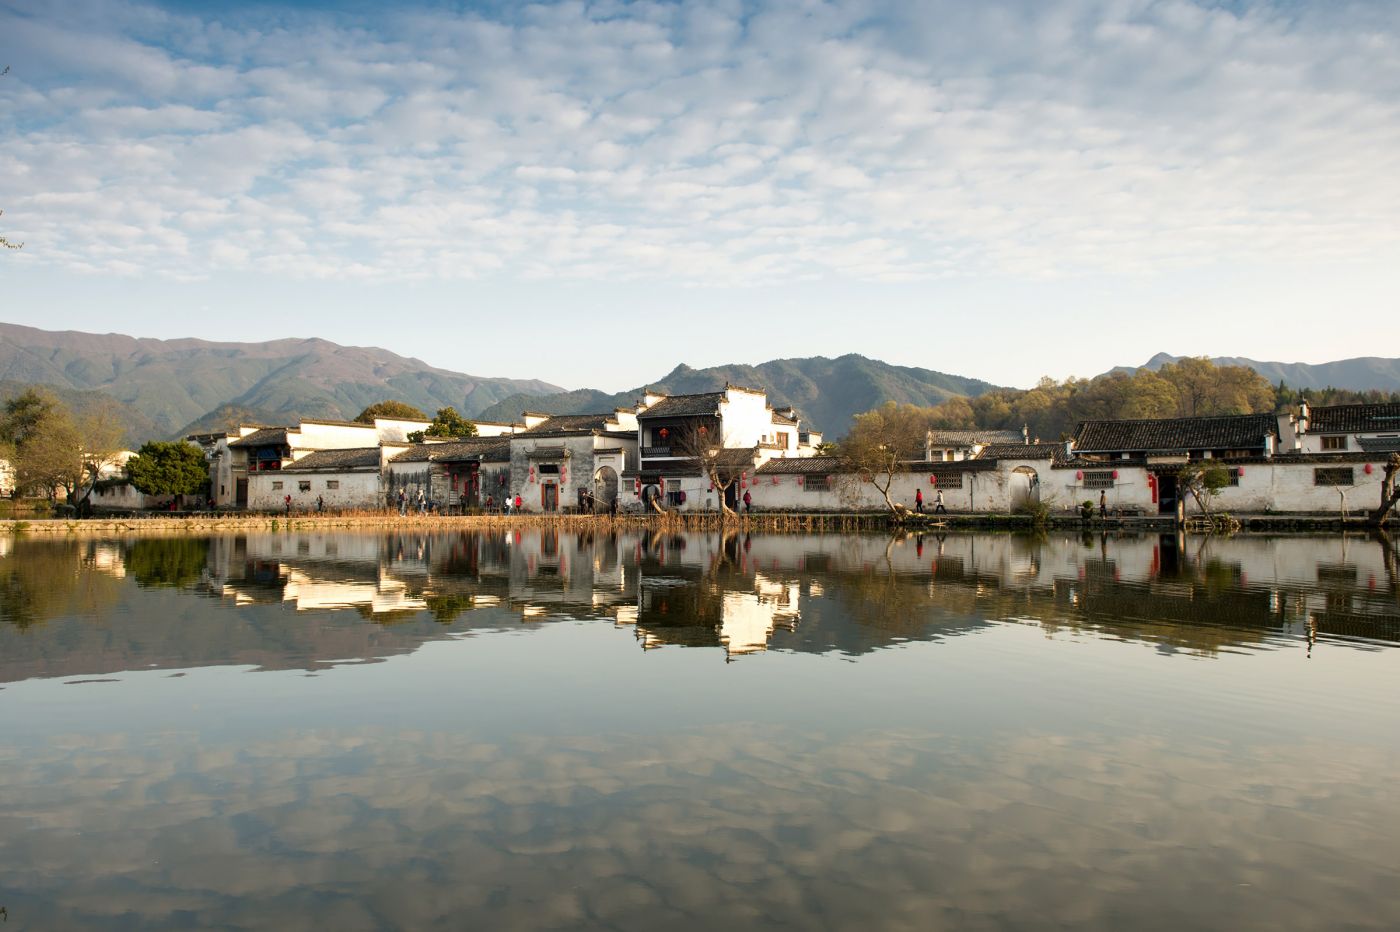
(591, 194)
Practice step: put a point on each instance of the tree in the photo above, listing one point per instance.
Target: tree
(447, 423)
(99, 436)
(38, 432)
(168, 468)
(1203, 481)
(1390, 491)
(390, 408)
(881, 442)
(703, 444)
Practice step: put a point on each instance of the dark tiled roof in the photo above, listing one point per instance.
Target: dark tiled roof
(1351, 419)
(801, 465)
(1020, 451)
(969, 437)
(784, 419)
(263, 437)
(571, 422)
(336, 460)
(1243, 431)
(1380, 444)
(483, 448)
(685, 405)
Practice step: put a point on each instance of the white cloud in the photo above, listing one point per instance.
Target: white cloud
(703, 143)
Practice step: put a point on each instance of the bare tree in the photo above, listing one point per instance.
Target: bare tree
(881, 442)
(704, 444)
(1390, 492)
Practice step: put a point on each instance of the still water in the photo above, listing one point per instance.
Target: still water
(641, 731)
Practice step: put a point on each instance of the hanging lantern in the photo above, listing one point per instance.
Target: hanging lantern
(1240, 472)
(933, 480)
(1366, 469)
(1115, 474)
(799, 482)
(664, 432)
(775, 480)
(1079, 474)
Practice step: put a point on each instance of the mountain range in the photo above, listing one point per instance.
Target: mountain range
(826, 392)
(170, 388)
(185, 385)
(1360, 374)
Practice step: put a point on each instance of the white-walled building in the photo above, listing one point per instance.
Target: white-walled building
(1361, 428)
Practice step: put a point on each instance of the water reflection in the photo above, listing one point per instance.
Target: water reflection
(1040, 750)
(739, 594)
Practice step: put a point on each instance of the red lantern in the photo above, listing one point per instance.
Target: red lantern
(664, 432)
(1079, 474)
(1240, 472)
(932, 480)
(1115, 474)
(775, 480)
(799, 480)
(1366, 469)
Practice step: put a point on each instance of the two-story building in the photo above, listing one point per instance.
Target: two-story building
(1360, 428)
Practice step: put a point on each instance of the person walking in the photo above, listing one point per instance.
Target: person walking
(919, 501)
(748, 502)
(1103, 503)
(422, 503)
(519, 503)
(403, 501)
(287, 504)
(938, 508)
(320, 505)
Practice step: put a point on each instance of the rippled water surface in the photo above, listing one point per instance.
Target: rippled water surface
(642, 731)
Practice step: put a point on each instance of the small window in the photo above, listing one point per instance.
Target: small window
(815, 484)
(948, 480)
(332, 483)
(304, 485)
(1334, 475)
(1334, 443)
(1099, 479)
(1234, 473)
(549, 469)
(277, 486)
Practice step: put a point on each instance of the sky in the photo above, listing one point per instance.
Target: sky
(591, 194)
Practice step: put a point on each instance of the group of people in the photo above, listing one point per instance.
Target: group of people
(420, 502)
(938, 507)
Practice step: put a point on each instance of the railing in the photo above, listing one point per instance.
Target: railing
(656, 451)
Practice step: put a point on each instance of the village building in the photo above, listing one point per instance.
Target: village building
(573, 462)
(947, 446)
(1365, 428)
(736, 427)
(457, 475)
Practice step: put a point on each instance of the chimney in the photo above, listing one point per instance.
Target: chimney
(1304, 414)
(1026, 434)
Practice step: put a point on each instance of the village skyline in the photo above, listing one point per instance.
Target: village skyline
(577, 192)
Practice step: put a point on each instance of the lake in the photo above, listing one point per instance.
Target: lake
(308, 730)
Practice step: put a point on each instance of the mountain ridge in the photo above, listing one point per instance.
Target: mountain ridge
(826, 391)
(1359, 373)
(178, 382)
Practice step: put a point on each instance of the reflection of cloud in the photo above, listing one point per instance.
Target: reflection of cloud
(714, 827)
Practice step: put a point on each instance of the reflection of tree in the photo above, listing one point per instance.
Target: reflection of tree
(167, 562)
(40, 580)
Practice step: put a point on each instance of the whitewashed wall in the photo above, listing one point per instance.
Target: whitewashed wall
(357, 490)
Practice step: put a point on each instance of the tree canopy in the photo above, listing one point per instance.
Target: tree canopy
(168, 468)
(882, 439)
(447, 423)
(390, 408)
(38, 435)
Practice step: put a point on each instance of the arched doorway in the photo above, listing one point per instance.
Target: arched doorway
(1025, 487)
(604, 488)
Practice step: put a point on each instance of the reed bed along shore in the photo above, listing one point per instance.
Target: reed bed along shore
(208, 523)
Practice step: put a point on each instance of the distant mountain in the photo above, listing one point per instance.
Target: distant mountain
(826, 392)
(1360, 374)
(174, 383)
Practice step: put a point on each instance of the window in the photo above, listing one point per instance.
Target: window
(549, 469)
(1099, 479)
(785, 441)
(948, 480)
(304, 485)
(276, 486)
(1334, 475)
(673, 491)
(815, 483)
(332, 483)
(1334, 443)
(1234, 473)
